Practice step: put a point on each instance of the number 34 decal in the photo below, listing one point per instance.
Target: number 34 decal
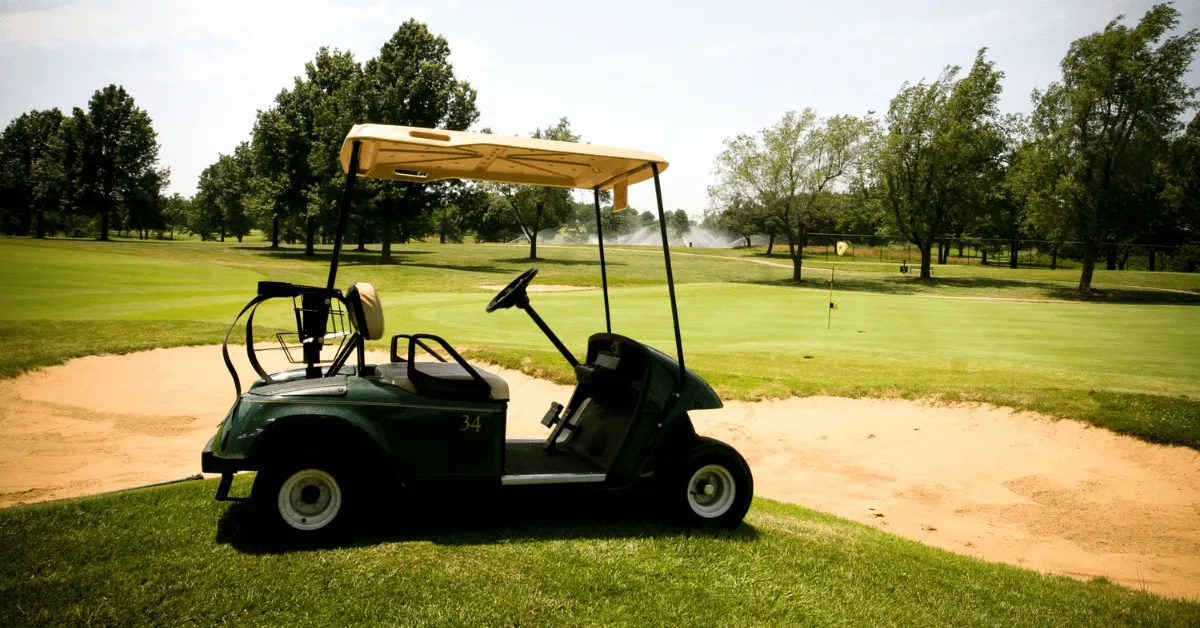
(469, 423)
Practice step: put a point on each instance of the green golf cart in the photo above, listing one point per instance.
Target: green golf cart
(338, 435)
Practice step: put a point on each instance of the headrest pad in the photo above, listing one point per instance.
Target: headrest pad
(367, 312)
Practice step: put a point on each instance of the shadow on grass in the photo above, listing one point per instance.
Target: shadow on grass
(990, 287)
(505, 517)
(554, 262)
(371, 258)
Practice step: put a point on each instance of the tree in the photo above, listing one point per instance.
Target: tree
(223, 197)
(118, 155)
(297, 174)
(1180, 171)
(1099, 132)
(33, 175)
(176, 211)
(940, 153)
(412, 83)
(788, 170)
(535, 208)
(678, 223)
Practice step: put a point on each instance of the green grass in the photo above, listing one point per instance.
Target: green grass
(173, 556)
(1133, 366)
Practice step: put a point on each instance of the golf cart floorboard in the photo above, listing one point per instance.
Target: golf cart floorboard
(528, 458)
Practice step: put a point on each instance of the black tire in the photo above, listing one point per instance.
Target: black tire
(711, 486)
(305, 497)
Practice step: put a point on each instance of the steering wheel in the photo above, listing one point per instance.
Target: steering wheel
(512, 294)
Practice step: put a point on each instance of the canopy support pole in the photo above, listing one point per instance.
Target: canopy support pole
(662, 225)
(344, 213)
(316, 306)
(603, 270)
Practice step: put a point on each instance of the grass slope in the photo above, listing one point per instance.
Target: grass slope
(1131, 366)
(173, 556)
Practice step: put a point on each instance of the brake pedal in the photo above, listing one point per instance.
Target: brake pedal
(552, 414)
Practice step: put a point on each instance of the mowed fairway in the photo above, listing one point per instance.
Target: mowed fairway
(1132, 365)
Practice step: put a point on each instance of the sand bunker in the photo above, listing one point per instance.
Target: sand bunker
(986, 482)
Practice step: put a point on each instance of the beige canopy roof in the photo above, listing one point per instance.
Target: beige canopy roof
(419, 155)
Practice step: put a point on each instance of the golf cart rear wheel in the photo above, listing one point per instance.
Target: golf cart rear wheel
(303, 497)
(713, 487)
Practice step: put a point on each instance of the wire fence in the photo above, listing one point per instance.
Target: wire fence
(1003, 253)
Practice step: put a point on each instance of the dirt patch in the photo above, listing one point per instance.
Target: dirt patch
(1057, 496)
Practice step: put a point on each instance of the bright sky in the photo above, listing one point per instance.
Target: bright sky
(673, 78)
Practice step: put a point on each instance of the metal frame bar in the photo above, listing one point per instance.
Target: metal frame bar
(603, 269)
(662, 225)
(344, 213)
(318, 307)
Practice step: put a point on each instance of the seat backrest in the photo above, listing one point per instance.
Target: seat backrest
(366, 312)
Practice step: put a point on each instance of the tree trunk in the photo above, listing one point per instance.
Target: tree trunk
(309, 248)
(275, 231)
(983, 256)
(1054, 258)
(386, 246)
(1012, 253)
(926, 259)
(41, 224)
(1151, 262)
(797, 255)
(362, 238)
(104, 225)
(1089, 266)
(533, 231)
(770, 242)
(1110, 258)
(239, 238)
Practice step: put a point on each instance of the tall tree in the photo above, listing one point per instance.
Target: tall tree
(412, 83)
(33, 174)
(118, 155)
(295, 144)
(1100, 130)
(535, 208)
(1180, 170)
(789, 169)
(941, 152)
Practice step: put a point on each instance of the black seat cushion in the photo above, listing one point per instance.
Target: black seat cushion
(447, 380)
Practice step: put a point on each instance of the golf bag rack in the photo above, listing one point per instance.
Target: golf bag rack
(320, 315)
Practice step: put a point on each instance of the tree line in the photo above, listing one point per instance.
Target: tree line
(97, 170)
(1102, 159)
(90, 172)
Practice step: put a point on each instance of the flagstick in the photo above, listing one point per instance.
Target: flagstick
(829, 319)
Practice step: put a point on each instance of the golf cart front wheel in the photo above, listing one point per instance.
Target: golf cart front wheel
(302, 498)
(714, 487)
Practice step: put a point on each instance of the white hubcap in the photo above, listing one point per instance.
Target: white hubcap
(711, 491)
(310, 500)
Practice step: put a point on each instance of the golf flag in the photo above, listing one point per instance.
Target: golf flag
(842, 247)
